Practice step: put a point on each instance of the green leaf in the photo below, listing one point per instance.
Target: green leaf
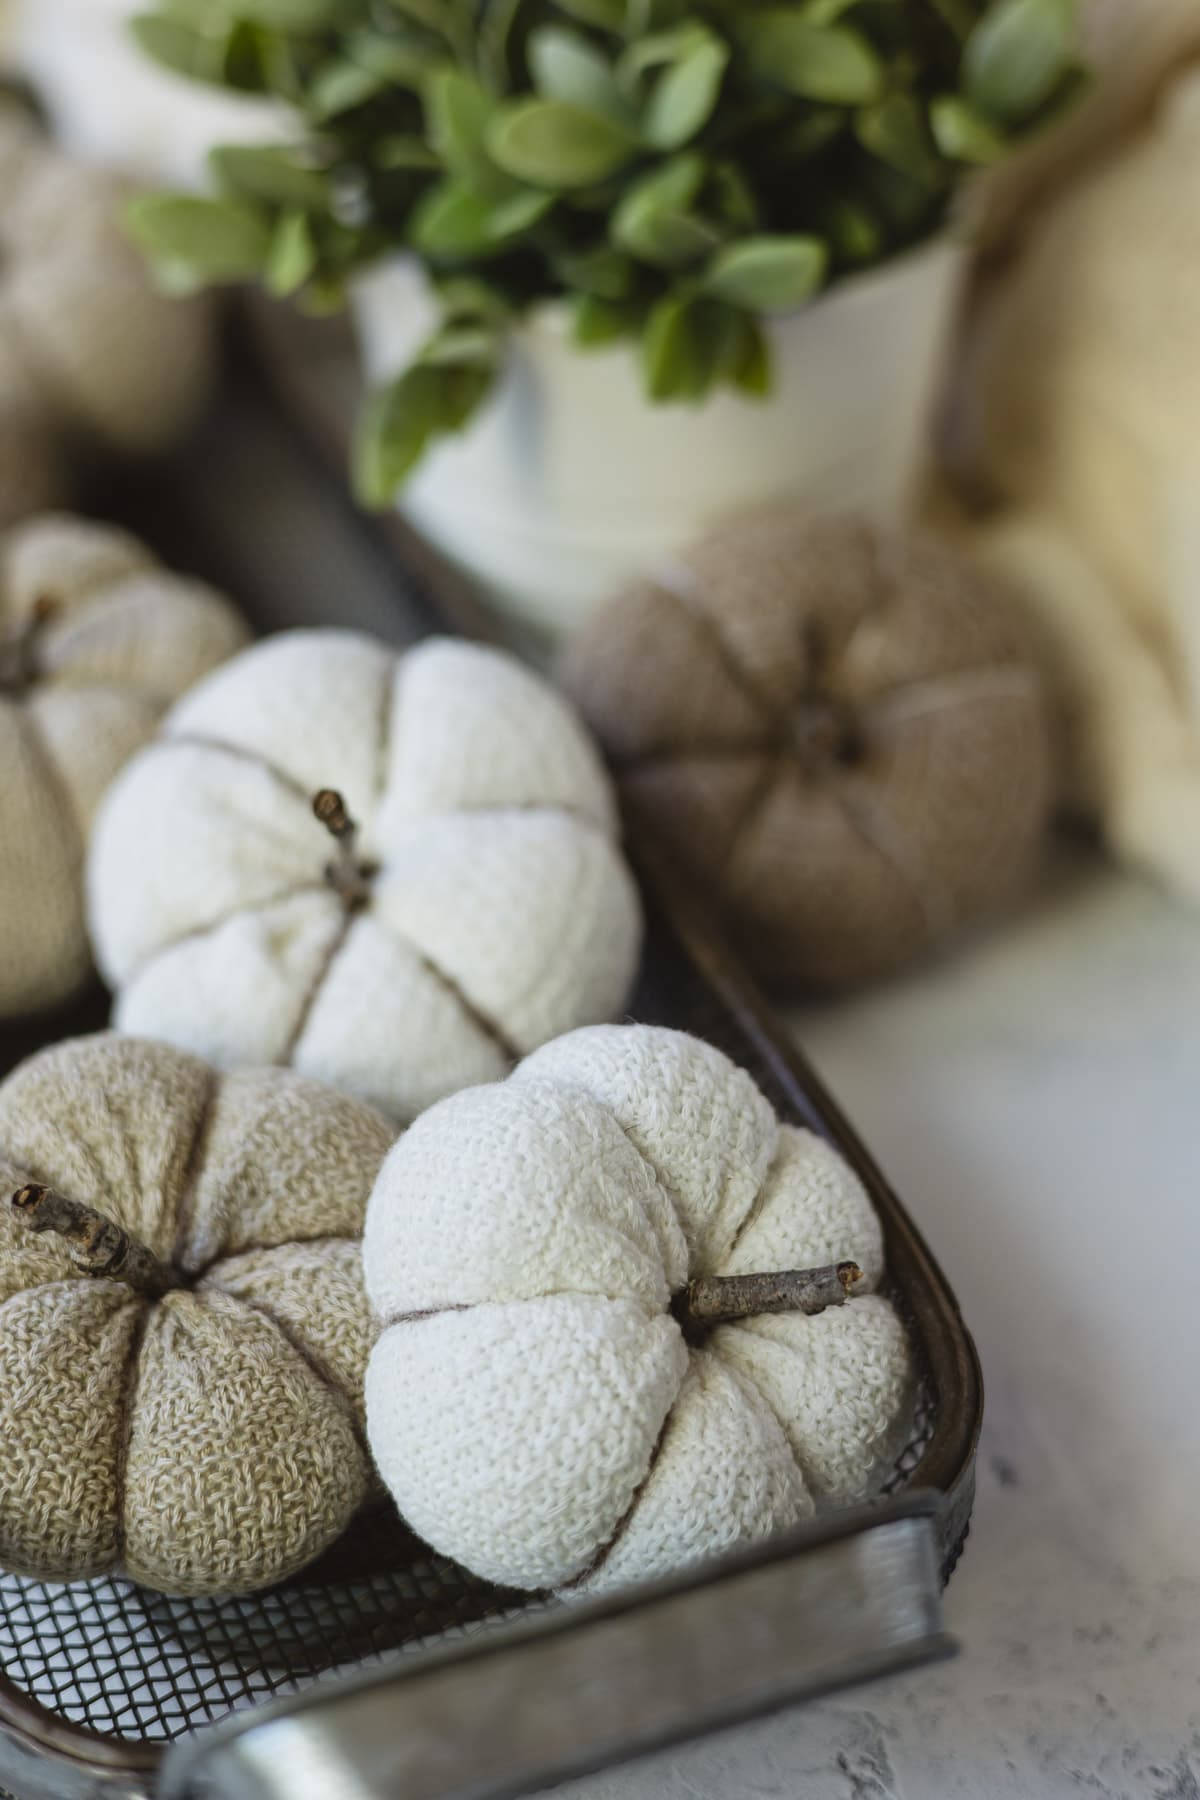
(180, 47)
(961, 133)
(467, 297)
(1017, 55)
(676, 363)
(769, 273)
(854, 233)
(339, 87)
(519, 212)
(825, 63)
(895, 131)
(452, 219)
(736, 347)
(684, 97)
(732, 198)
(603, 273)
(567, 66)
(402, 420)
(269, 175)
(395, 61)
(555, 145)
(457, 113)
(297, 15)
(609, 15)
(292, 256)
(402, 150)
(460, 346)
(596, 322)
(748, 364)
(654, 222)
(397, 427)
(192, 241)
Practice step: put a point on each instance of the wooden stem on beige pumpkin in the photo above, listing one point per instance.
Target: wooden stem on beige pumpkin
(723, 1299)
(19, 648)
(99, 1247)
(345, 875)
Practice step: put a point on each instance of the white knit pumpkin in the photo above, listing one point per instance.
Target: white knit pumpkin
(533, 1404)
(493, 907)
(96, 639)
(91, 357)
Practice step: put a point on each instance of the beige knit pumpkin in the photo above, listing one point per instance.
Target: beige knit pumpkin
(839, 730)
(96, 639)
(209, 1440)
(92, 359)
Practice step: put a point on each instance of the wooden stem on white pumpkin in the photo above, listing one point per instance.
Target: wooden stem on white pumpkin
(19, 649)
(345, 875)
(723, 1299)
(99, 1247)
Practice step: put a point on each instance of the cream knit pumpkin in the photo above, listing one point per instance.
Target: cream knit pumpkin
(532, 1403)
(210, 1440)
(95, 640)
(91, 357)
(488, 906)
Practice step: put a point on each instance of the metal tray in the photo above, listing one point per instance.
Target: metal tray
(98, 1679)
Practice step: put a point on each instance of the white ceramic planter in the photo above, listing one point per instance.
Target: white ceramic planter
(569, 482)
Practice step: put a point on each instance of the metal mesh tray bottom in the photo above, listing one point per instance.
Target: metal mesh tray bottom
(130, 1664)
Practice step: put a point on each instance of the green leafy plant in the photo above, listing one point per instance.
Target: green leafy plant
(674, 170)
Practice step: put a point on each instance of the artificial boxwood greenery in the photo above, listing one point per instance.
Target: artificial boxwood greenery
(674, 169)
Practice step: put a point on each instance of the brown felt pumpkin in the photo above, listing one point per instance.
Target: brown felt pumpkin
(839, 730)
(183, 1325)
(92, 359)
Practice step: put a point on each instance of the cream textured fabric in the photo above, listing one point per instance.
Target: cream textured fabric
(532, 1403)
(1080, 414)
(92, 358)
(210, 1441)
(124, 639)
(498, 913)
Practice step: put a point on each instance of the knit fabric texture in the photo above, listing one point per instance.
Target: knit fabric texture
(837, 729)
(80, 690)
(210, 1441)
(1076, 414)
(495, 910)
(92, 358)
(532, 1403)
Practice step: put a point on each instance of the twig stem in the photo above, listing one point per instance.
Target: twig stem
(345, 875)
(99, 1247)
(721, 1299)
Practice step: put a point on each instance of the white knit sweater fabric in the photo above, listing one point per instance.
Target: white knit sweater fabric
(498, 910)
(532, 1403)
(123, 640)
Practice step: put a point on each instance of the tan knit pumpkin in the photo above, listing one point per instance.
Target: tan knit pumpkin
(96, 640)
(207, 1437)
(837, 730)
(92, 359)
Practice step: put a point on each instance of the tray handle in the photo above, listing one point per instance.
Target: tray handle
(579, 1688)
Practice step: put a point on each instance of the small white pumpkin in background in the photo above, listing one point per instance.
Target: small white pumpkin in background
(475, 906)
(96, 640)
(92, 359)
(533, 1402)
